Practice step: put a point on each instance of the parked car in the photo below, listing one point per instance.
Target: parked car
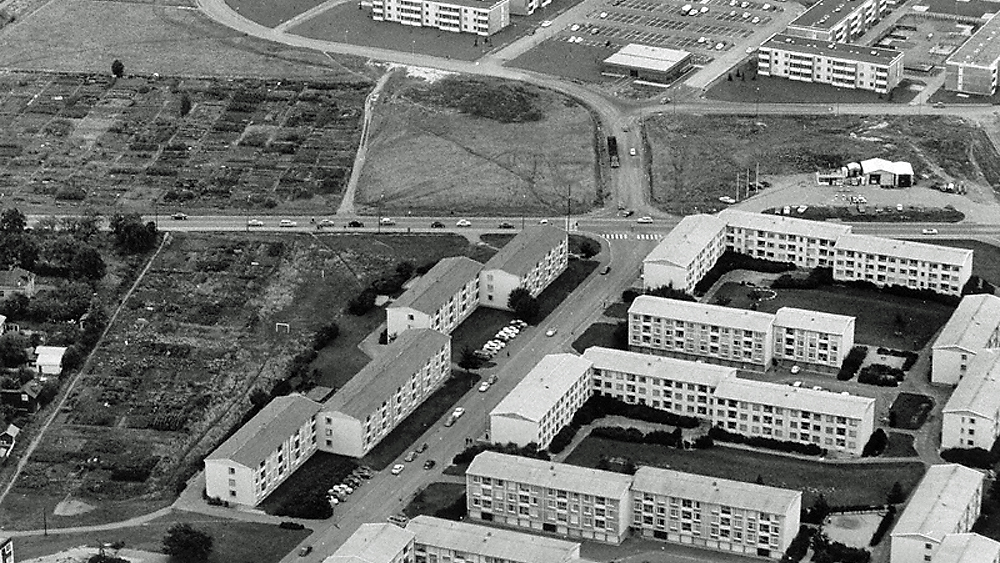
(356, 225)
(287, 223)
(546, 23)
(306, 550)
(458, 412)
(399, 519)
(551, 332)
(631, 151)
(437, 225)
(795, 370)
(484, 386)
(327, 223)
(429, 464)
(606, 270)
(493, 379)
(506, 225)
(410, 457)
(255, 223)
(543, 221)
(929, 231)
(463, 223)
(398, 468)
(644, 220)
(387, 221)
(422, 448)
(179, 216)
(628, 213)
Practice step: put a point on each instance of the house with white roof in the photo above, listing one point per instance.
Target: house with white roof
(8, 439)
(916, 265)
(48, 360)
(947, 501)
(967, 548)
(713, 513)
(881, 172)
(807, 244)
(838, 422)
(691, 330)
(972, 328)
(531, 260)
(375, 543)
(549, 497)
(439, 540)
(971, 417)
(440, 299)
(543, 402)
(263, 452)
(812, 337)
(686, 254)
(380, 396)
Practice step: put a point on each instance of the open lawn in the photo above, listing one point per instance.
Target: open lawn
(558, 57)
(617, 311)
(320, 472)
(233, 541)
(597, 334)
(875, 312)
(567, 282)
(841, 484)
(430, 153)
(270, 14)
(900, 445)
(439, 499)
(909, 411)
(985, 262)
(696, 158)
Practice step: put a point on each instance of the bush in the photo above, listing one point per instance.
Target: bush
(722, 435)
(325, 335)
(883, 526)
(799, 545)
(629, 295)
(731, 260)
(903, 291)
(826, 551)
(978, 458)
(288, 525)
(852, 363)
(876, 444)
(562, 439)
(362, 303)
(670, 293)
(881, 375)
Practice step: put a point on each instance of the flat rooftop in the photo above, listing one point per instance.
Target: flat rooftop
(479, 4)
(846, 51)
(648, 58)
(967, 9)
(825, 14)
(982, 49)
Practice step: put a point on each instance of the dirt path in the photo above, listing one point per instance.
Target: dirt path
(76, 378)
(347, 203)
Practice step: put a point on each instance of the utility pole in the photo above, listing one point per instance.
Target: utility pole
(524, 208)
(569, 204)
(378, 222)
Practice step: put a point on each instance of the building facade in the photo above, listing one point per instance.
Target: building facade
(442, 541)
(844, 65)
(714, 513)
(947, 501)
(376, 543)
(652, 64)
(686, 254)
(967, 548)
(915, 265)
(440, 299)
(838, 21)
(833, 421)
(385, 392)
(482, 18)
(714, 333)
(807, 244)
(543, 403)
(974, 326)
(263, 452)
(971, 417)
(531, 260)
(972, 68)
(548, 497)
(812, 337)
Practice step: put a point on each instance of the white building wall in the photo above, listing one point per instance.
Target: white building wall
(964, 429)
(911, 548)
(504, 429)
(812, 347)
(341, 434)
(658, 274)
(495, 287)
(948, 365)
(400, 319)
(229, 481)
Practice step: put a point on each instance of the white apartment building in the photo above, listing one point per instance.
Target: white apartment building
(543, 402)
(440, 299)
(812, 337)
(532, 260)
(376, 543)
(807, 244)
(971, 417)
(967, 548)
(714, 333)
(713, 513)
(549, 497)
(845, 65)
(678, 386)
(264, 452)
(972, 328)
(385, 392)
(972, 68)
(916, 265)
(442, 541)
(686, 254)
(838, 21)
(837, 422)
(947, 501)
(480, 17)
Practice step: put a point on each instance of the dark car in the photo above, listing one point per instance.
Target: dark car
(356, 224)
(437, 225)
(506, 225)
(429, 464)
(629, 213)
(606, 270)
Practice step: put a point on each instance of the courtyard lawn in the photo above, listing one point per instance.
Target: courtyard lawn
(909, 411)
(876, 312)
(322, 471)
(444, 500)
(900, 445)
(597, 334)
(566, 283)
(840, 484)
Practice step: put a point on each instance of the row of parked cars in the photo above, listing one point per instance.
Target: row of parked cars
(500, 339)
(339, 492)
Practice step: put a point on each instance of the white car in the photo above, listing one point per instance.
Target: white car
(574, 27)
(727, 199)
(398, 468)
(463, 223)
(644, 220)
(551, 332)
(484, 386)
(631, 151)
(543, 221)
(546, 23)
(929, 231)
(458, 412)
(255, 223)
(755, 20)
(387, 221)
(604, 15)
(287, 223)
(796, 370)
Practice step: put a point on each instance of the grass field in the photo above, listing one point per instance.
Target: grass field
(320, 472)
(270, 14)
(847, 484)
(900, 445)
(233, 541)
(911, 410)
(435, 498)
(557, 57)
(875, 312)
(696, 158)
(597, 334)
(427, 156)
(779, 90)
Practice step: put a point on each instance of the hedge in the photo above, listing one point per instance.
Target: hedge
(722, 435)
(910, 357)
(852, 363)
(978, 458)
(876, 444)
(881, 375)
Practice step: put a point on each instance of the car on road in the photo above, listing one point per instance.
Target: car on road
(286, 223)
(437, 225)
(606, 270)
(356, 224)
(543, 221)
(929, 231)
(546, 23)
(450, 421)
(463, 223)
(255, 223)
(458, 412)
(484, 386)
(628, 213)
(327, 223)
(727, 199)
(306, 550)
(422, 448)
(493, 379)
(386, 221)
(551, 332)
(179, 216)
(939, 104)
(644, 220)
(398, 468)
(631, 151)
(410, 457)
(429, 464)
(506, 225)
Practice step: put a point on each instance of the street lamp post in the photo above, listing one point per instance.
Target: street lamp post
(524, 208)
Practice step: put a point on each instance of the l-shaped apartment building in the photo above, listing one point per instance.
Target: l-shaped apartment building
(678, 262)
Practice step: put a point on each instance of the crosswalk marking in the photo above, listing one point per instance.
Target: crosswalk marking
(638, 236)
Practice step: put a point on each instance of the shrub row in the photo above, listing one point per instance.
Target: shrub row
(827, 551)
(468, 454)
(730, 261)
(978, 458)
(881, 375)
(903, 291)
(910, 357)
(722, 435)
(852, 363)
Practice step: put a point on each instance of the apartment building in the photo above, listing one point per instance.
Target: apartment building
(812, 337)
(971, 417)
(679, 386)
(263, 452)
(442, 541)
(967, 548)
(6, 550)
(532, 260)
(686, 254)
(480, 17)
(838, 21)
(972, 328)
(549, 497)
(844, 65)
(376, 543)
(684, 329)
(440, 299)
(385, 392)
(543, 402)
(916, 265)
(947, 501)
(713, 513)
(807, 244)
(837, 422)
(972, 68)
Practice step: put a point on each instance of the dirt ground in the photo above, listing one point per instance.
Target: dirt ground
(854, 529)
(83, 554)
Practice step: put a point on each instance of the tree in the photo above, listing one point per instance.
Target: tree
(87, 263)
(896, 494)
(469, 360)
(523, 304)
(185, 104)
(184, 544)
(13, 221)
(18, 250)
(72, 358)
(259, 398)
(131, 235)
(589, 249)
(118, 68)
(13, 347)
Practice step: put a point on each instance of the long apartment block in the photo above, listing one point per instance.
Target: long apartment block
(972, 68)
(479, 17)
(974, 326)
(532, 260)
(686, 254)
(971, 417)
(812, 337)
(838, 21)
(915, 265)
(843, 65)
(440, 299)
(807, 244)
(441, 541)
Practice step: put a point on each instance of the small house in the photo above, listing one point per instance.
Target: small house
(16, 281)
(48, 360)
(7, 440)
(24, 398)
